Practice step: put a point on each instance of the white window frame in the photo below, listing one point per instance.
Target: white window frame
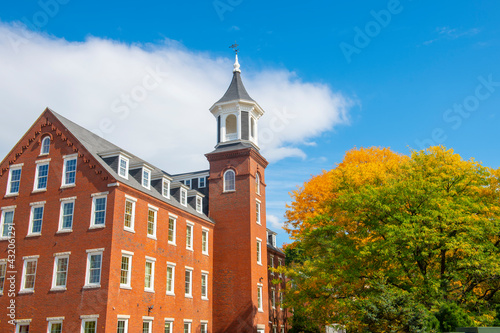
(172, 266)
(58, 257)
(227, 186)
(27, 260)
(129, 255)
(96, 197)
(87, 319)
(183, 197)
(189, 327)
(13, 168)
(204, 178)
(148, 320)
(271, 262)
(204, 275)
(204, 240)
(260, 297)
(155, 223)
(90, 253)
(188, 183)
(127, 163)
(37, 175)
(61, 214)
(146, 182)
(174, 218)
(23, 322)
(259, 251)
(3, 274)
(258, 212)
(203, 326)
(34, 206)
(42, 146)
(171, 322)
(133, 201)
(273, 298)
(165, 188)
(199, 204)
(188, 272)
(54, 321)
(125, 319)
(151, 288)
(67, 159)
(257, 183)
(189, 240)
(10, 233)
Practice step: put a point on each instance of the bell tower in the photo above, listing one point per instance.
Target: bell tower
(237, 206)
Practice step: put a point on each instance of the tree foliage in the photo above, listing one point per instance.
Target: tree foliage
(424, 229)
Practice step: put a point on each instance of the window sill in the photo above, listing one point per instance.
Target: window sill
(4, 238)
(170, 294)
(171, 243)
(149, 291)
(67, 186)
(126, 287)
(205, 254)
(99, 226)
(259, 263)
(188, 296)
(260, 310)
(204, 298)
(230, 191)
(33, 235)
(92, 286)
(64, 231)
(189, 249)
(58, 289)
(129, 230)
(39, 190)
(11, 195)
(26, 292)
(152, 237)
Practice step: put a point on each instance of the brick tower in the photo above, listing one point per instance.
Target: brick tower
(237, 205)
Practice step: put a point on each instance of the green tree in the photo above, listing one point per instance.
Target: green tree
(425, 226)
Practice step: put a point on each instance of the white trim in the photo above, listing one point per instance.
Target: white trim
(190, 268)
(9, 207)
(54, 273)
(99, 194)
(168, 263)
(155, 223)
(43, 161)
(96, 197)
(67, 199)
(130, 198)
(132, 201)
(67, 253)
(170, 292)
(129, 255)
(95, 250)
(127, 165)
(36, 256)
(148, 318)
(153, 207)
(150, 258)
(39, 203)
(92, 316)
(90, 253)
(13, 168)
(152, 281)
(32, 219)
(188, 320)
(70, 156)
(205, 272)
(123, 316)
(174, 218)
(169, 319)
(66, 159)
(55, 318)
(114, 184)
(16, 166)
(127, 252)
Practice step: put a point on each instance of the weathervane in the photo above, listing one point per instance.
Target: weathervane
(235, 47)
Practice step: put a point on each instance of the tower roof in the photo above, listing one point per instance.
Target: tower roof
(236, 90)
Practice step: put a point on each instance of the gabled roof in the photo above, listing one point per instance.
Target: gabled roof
(236, 91)
(98, 146)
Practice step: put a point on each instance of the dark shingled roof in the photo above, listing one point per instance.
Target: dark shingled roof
(236, 90)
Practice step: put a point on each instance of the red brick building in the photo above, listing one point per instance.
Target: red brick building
(95, 239)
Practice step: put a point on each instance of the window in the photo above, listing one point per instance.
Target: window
(69, 171)
(126, 269)
(98, 211)
(202, 182)
(147, 326)
(149, 277)
(188, 288)
(14, 179)
(89, 326)
(282, 329)
(203, 328)
(60, 273)
(41, 176)
(199, 204)
(45, 146)
(166, 188)
(273, 298)
(229, 181)
(183, 196)
(146, 178)
(259, 298)
(29, 274)
(66, 215)
(129, 217)
(170, 278)
(55, 326)
(152, 213)
(204, 285)
(187, 182)
(169, 326)
(7, 222)
(123, 163)
(36, 219)
(122, 325)
(257, 211)
(187, 327)
(257, 183)
(189, 236)
(281, 299)
(204, 241)
(271, 263)
(252, 127)
(171, 229)
(3, 272)
(231, 128)
(22, 328)
(94, 264)
(259, 251)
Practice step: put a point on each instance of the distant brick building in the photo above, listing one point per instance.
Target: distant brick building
(95, 239)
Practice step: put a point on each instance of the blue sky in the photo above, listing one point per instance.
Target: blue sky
(398, 74)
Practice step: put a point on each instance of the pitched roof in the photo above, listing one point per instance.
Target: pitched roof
(98, 146)
(236, 91)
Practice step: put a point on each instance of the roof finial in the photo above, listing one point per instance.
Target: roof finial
(236, 63)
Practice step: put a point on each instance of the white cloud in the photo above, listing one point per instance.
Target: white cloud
(167, 122)
(274, 223)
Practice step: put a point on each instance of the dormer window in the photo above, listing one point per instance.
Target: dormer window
(166, 188)
(183, 197)
(273, 239)
(187, 182)
(202, 182)
(199, 204)
(123, 163)
(229, 181)
(146, 178)
(45, 146)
